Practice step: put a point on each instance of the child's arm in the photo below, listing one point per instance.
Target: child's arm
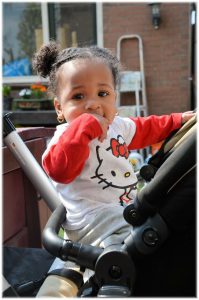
(64, 160)
(153, 129)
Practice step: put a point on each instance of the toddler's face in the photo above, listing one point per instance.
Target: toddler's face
(85, 86)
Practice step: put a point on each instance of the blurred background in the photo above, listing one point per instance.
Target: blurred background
(156, 43)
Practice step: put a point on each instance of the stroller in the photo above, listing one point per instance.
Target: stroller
(158, 258)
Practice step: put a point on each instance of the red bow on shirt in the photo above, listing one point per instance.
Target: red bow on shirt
(119, 149)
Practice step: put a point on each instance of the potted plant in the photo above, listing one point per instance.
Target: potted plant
(34, 98)
(38, 91)
(7, 99)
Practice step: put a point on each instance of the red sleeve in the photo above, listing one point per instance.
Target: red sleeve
(154, 129)
(65, 159)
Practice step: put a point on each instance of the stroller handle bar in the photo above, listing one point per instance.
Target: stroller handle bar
(113, 265)
(29, 164)
(84, 255)
(152, 196)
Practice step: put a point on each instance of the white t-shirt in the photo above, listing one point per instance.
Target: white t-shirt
(107, 179)
(90, 175)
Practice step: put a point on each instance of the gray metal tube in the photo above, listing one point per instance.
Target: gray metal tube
(32, 169)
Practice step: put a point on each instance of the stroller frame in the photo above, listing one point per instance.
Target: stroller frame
(115, 270)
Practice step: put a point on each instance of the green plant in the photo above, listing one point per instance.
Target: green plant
(38, 91)
(6, 90)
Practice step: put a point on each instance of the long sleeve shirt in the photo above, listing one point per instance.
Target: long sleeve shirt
(89, 174)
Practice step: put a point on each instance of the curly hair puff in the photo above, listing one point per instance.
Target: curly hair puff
(50, 57)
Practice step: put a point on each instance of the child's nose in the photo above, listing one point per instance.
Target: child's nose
(92, 105)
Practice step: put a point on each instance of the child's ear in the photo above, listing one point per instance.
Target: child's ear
(58, 109)
(57, 104)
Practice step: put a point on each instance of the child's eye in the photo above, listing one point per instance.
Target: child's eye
(78, 96)
(103, 94)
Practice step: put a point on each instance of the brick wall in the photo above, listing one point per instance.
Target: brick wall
(166, 50)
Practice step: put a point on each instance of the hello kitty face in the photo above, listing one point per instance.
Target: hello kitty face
(114, 169)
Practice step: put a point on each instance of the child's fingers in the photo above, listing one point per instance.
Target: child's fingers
(186, 116)
(104, 134)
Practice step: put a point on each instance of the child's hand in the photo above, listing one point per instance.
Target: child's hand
(187, 115)
(104, 123)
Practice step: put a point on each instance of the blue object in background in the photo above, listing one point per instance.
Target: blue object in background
(19, 67)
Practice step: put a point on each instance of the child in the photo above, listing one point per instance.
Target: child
(87, 159)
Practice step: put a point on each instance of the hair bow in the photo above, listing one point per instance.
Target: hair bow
(119, 149)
